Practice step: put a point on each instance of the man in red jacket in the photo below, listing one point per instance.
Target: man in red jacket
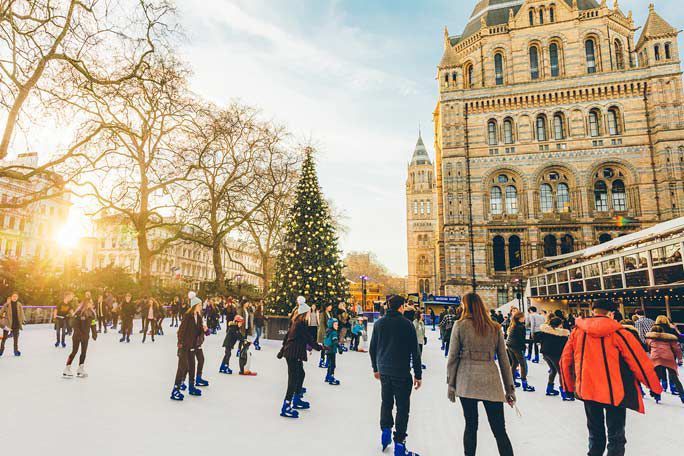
(603, 364)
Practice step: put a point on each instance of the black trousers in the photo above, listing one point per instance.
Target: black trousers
(517, 358)
(186, 366)
(81, 342)
(295, 378)
(199, 356)
(226, 356)
(115, 319)
(497, 423)
(533, 344)
(663, 372)
(554, 363)
(600, 416)
(102, 323)
(61, 329)
(332, 363)
(15, 337)
(146, 325)
(395, 390)
(446, 338)
(127, 327)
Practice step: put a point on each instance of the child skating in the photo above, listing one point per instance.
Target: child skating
(246, 359)
(332, 346)
(233, 335)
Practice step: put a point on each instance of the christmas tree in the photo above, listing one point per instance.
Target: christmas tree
(310, 263)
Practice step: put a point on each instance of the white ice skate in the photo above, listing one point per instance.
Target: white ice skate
(81, 373)
(67, 373)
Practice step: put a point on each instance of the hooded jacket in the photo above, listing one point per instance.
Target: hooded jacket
(604, 363)
(553, 340)
(665, 349)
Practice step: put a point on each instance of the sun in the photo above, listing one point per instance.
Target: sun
(70, 234)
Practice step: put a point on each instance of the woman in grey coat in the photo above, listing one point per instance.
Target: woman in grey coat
(472, 375)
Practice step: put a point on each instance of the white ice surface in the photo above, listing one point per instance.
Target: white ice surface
(123, 408)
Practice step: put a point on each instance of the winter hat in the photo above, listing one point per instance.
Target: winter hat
(303, 306)
(331, 322)
(192, 295)
(238, 319)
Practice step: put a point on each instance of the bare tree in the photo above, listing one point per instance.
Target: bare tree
(233, 153)
(49, 51)
(262, 233)
(143, 120)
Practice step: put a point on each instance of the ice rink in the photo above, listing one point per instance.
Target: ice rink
(123, 407)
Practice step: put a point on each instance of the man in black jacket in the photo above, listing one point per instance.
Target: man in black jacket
(393, 350)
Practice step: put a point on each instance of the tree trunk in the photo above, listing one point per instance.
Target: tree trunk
(220, 274)
(145, 264)
(266, 272)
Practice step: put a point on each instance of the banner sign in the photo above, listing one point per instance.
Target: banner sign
(447, 299)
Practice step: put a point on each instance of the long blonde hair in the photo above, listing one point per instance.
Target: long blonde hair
(515, 322)
(474, 309)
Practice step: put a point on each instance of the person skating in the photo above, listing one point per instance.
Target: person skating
(61, 314)
(233, 335)
(190, 337)
(432, 318)
(259, 324)
(324, 315)
(419, 324)
(515, 343)
(602, 364)
(332, 347)
(643, 324)
(473, 377)
(534, 321)
(151, 310)
(393, 350)
(13, 311)
(175, 311)
(665, 352)
(294, 350)
(84, 323)
(246, 359)
(446, 324)
(357, 333)
(553, 339)
(128, 310)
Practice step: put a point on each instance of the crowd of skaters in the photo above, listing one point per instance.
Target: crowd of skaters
(605, 360)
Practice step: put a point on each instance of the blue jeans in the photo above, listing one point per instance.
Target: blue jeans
(259, 330)
(615, 422)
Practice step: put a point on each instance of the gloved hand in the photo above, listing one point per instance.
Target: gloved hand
(451, 394)
(511, 399)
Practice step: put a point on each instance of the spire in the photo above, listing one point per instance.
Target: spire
(449, 58)
(656, 27)
(420, 154)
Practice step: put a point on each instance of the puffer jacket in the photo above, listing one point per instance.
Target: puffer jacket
(553, 340)
(664, 349)
(603, 362)
(516, 338)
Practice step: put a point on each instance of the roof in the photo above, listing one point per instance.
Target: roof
(659, 231)
(420, 154)
(449, 58)
(496, 12)
(655, 27)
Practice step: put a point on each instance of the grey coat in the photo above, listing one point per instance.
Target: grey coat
(471, 370)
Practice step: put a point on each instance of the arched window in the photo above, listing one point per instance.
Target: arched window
(550, 246)
(601, 196)
(531, 17)
(422, 208)
(594, 123)
(590, 53)
(534, 62)
(619, 55)
(567, 244)
(511, 200)
(496, 201)
(453, 77)
(514, 253)
(508, 131)
(499, 253)
(558, 126)
(605, 237)
(619, 196)
(499, 68)
(469, 75)
(541, 128)
(656, 50)
(554, 59)
(668, 51)
(492, 136)
(415, 207)
(429, 207)
(613, 122)
(446, 79)
(563, 197)
(541, 16)
(546, 198)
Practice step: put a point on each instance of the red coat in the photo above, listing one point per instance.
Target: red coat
(665, 349)
(603, 362)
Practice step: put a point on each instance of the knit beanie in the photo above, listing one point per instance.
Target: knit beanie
(303, 306)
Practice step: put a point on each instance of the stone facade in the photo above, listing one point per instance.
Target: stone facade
(421, 221)
(564, 132)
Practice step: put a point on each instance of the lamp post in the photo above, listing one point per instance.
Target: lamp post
(518, 294)
(238, 279)
(364, 290)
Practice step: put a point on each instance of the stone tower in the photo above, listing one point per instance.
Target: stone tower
(421, 221)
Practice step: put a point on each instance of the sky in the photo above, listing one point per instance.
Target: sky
(355, 76)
